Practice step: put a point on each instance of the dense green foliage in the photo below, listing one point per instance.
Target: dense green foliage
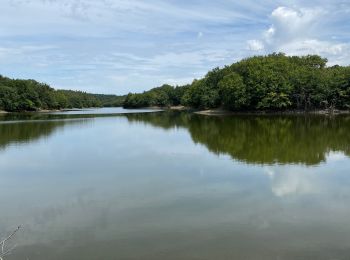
(30, 95)
(110, 100)
(162, 96)
(273, 82)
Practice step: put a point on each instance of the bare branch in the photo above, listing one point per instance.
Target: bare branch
(5, 251)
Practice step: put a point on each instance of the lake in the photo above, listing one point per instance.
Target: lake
(116, 184)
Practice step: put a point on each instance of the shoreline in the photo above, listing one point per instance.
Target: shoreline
(49, 110)
(221, 112)
(208, 112)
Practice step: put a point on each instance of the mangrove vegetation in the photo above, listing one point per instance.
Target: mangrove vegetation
(30, 95)
(272, 82)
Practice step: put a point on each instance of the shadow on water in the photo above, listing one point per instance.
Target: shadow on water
(262, 139)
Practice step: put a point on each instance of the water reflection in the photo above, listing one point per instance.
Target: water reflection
(20, 128)
(137, 187)
(21, 132)
(262, 139)
(250, 139)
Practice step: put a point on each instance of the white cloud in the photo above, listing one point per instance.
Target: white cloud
(316, 46)
(338, 53)
(81, 43)
(255, 45)
(292, 24)
(297, 31)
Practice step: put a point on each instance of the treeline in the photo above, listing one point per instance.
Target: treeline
(30, 95)
(110, 100)
(165, 95)
(273, 82)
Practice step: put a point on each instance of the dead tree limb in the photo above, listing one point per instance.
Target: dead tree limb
(5, 250)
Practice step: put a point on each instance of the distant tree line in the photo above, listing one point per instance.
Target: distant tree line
(272, 82)
(165, 95)
(30, 95)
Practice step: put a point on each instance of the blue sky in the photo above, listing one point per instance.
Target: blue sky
(121, 46)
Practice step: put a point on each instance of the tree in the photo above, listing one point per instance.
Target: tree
(30, 95)
(233, 92)
(9, 99)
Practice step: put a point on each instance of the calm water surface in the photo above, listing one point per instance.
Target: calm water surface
(175, 186)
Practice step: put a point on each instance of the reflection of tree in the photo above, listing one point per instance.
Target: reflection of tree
(27, 127)
(27, 131)
(252, 139)
(262, 139)
(165, 120)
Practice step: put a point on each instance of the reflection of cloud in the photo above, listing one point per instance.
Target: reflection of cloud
(295, 181)
(335, 157)
(299, 180)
